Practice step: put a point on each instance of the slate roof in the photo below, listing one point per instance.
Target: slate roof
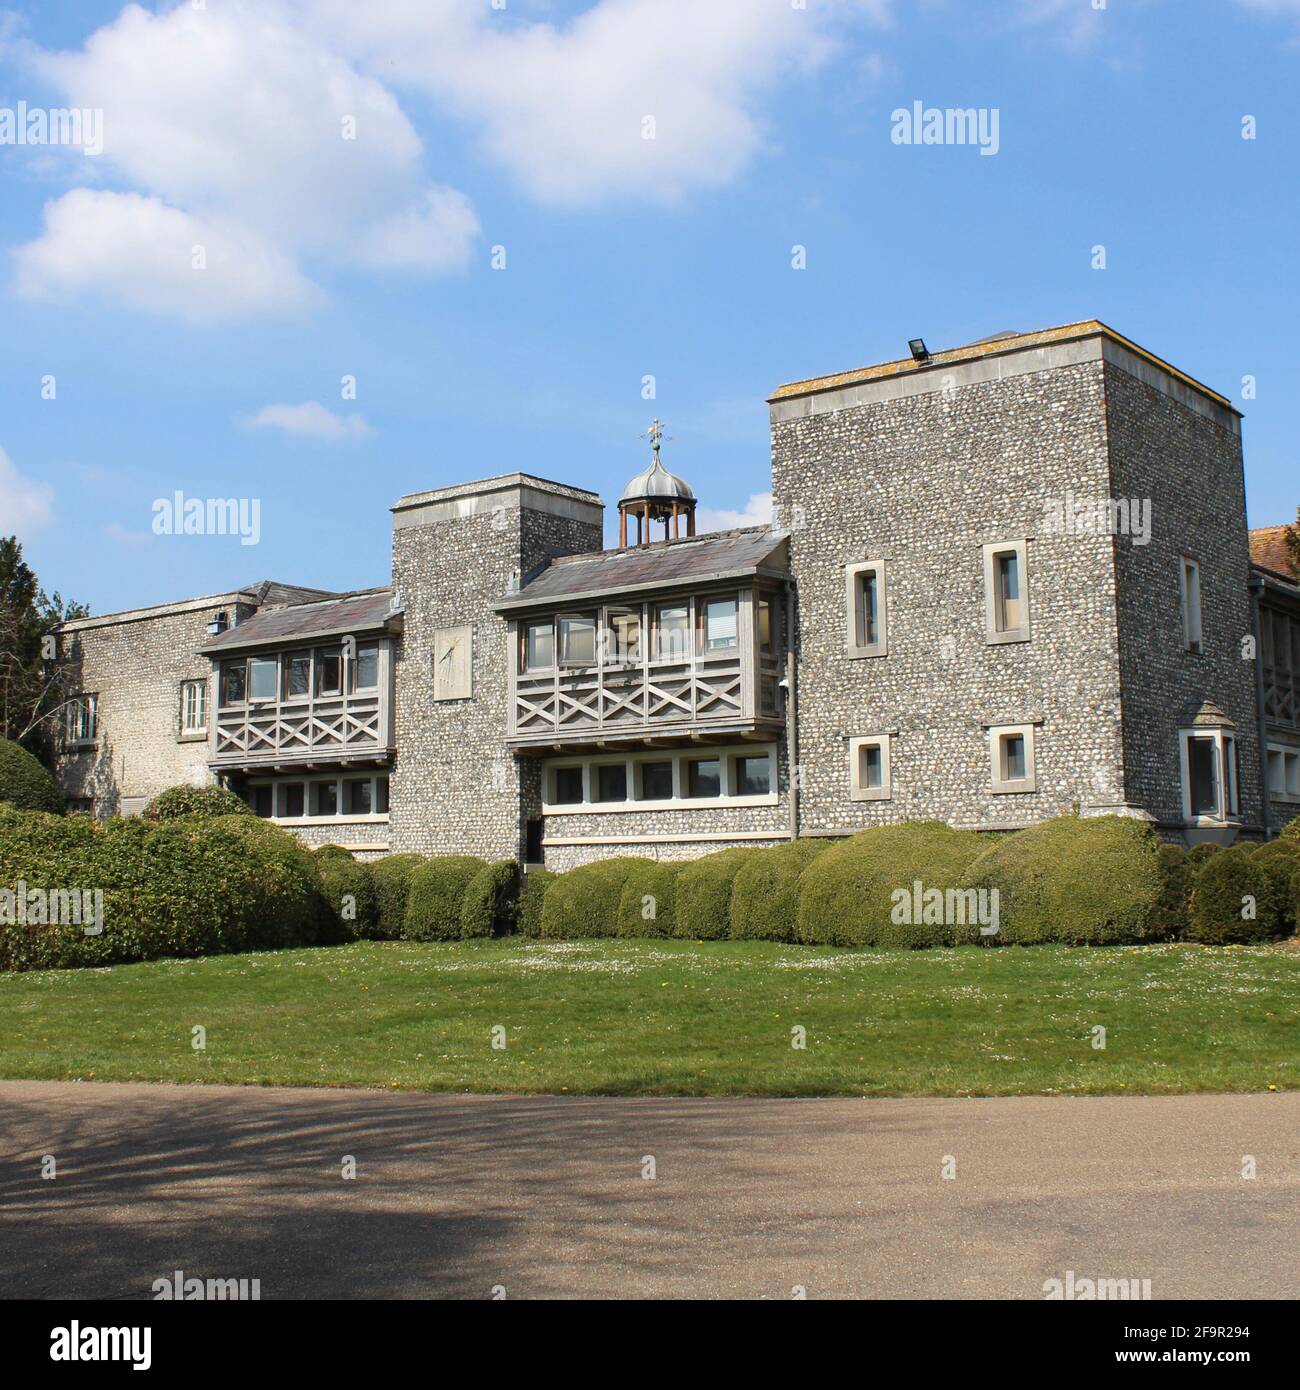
(724, 555)
(364, 611)
(1268, 550)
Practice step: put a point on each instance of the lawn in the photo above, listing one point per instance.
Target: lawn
(674, 1017)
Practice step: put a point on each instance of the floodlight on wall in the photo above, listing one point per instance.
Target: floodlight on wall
(920, 353)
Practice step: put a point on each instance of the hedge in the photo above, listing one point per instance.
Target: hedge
(179, 888)
(433, 902)
(531, 897)
(1198, 854)
(195, 801)
(862, 891)
(349, 891)
(391, 877)
(490, 903)
(1234, 900)
(1177, 874)
(25, 783)
(585, 901)
(703, 905)
(1291, 830)
(1280, 860)
(765, 891)
(646, 906)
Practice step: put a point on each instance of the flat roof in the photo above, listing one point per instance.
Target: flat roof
(990, 347)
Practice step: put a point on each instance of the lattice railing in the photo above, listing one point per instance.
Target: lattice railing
(317, 727)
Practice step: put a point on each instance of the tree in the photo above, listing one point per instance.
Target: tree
(33, 683)
(1292, 536)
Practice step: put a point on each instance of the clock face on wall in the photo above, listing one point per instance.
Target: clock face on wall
(452, 663)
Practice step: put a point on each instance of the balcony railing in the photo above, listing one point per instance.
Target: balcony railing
(326, 728)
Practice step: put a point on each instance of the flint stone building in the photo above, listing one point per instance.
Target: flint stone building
(1002, 583)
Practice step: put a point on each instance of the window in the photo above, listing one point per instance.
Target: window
(753, 775)
(297, 676)
(611, 782)
(568, 786)
(656, 781)
(263, 675)
(1284, 772)
(766, 633)
(1011, 749)
(1190, 592)
(718, 624)
(869, 773)
(381, 796)
(1006, 593)
(704, 777)
(1209, 774)
(864, 596)
(194, 707)
(292, 800)
(539, 646)
(624, 638)
(358, 797)
(324, 798)
(365, 669)
(329, 671)
(673, 632)
(261, 799)
(578, 641)
(81, 717)
(233, 677)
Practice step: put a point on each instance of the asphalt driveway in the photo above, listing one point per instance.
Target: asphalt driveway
(455, 1196)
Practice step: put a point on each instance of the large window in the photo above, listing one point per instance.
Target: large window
(704, 777)
(539, 646)
(699, 777)
(194, 707)
(1189, 584)
(673, 631)
(864, 597)
(81, 717)
(578, 640)
(611, 782)
(567, 787)
(1209, 774)
(718, 624)
(1006, 592)
(656, 781)
(752, 774)
(263, 673)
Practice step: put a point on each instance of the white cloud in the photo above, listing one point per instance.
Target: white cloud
(25, 505)
(438, 237)
(757, 511)
(138, 253)
(311, 420)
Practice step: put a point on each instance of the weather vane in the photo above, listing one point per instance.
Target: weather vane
(655, 434)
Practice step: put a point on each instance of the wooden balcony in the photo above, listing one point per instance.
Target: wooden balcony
(326, 729)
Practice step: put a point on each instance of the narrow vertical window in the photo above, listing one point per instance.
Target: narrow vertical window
(539, 646)
(1006, 596)
(864, 597)
(194, 713)
(1191, 596)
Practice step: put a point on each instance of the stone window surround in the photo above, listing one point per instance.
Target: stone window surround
(71, 713)
(1027, 783)
(993, 635)
(885, 791)
(852, 605)
(1227, 775)
(1286, 758)
(679, 801)
(198, 734)
(303, 779)
(1193, 636)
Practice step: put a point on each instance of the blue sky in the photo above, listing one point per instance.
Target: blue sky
(521, 128)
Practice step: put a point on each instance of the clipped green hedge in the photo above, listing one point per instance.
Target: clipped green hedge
(1077, 882)
(195, 801)
(1280, 860)
(1234, 900)
(491, 901)
(436, 893)
(703, 906)
(25, 783)
(862, 892)
(178, 888)
(349, 891)
(647, 903)
(1198, 854)
(531, 897)
(391, 877)
(765, 891)
(585, 901)
(1169, 915)
(1290, 831)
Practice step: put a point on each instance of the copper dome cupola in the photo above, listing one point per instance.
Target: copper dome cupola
(655, 494)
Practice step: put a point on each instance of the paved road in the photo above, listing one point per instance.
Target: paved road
(545, 1195)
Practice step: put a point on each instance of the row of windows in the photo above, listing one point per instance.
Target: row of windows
(299, 675)
(297, 799)
(623, 636)
(714, 775)
(1011, 763)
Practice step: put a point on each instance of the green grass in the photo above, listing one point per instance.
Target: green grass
(674, 1017)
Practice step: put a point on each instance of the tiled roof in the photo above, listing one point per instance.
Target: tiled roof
(361, 612)
(724, 555)
(1268, 549)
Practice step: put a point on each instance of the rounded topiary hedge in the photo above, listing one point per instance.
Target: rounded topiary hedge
(1076, 881)
(584, 902)
(1169, 915)
(195, 801)
(302, 914)
(1280, 860)
(25, 783)
(862, 891)
(1234, 900)
(437, 890)
(391, 877)
(348, 888)
(702, 910)
(765, 891)
(1198, 854)
(531, 897)
(647, 904)
(490, 903)
(1290, 831)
